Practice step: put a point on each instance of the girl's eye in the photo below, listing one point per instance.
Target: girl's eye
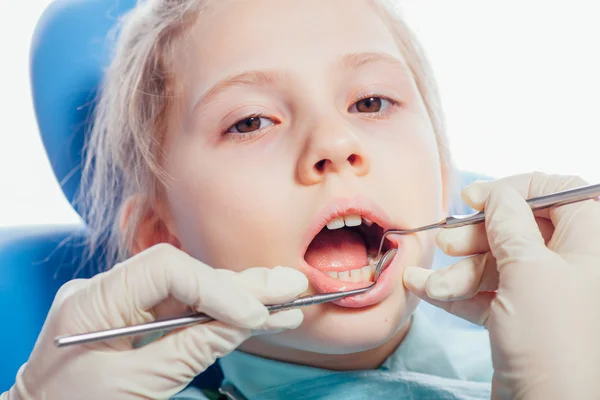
(250, 124)
(371, 105)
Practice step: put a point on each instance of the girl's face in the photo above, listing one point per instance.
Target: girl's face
(292, 115)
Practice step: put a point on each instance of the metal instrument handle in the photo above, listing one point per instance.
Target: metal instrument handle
(536, 203)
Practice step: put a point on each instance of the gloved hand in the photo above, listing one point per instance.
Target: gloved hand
(535, 287)
(161, 281)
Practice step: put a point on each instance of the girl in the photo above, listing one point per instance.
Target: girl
(263, 133)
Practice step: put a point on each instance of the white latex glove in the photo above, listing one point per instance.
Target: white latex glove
(536, 288)
(161, 281)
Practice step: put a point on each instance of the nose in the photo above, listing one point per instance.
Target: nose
(331, 149)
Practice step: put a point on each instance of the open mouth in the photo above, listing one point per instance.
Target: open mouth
(346, 248)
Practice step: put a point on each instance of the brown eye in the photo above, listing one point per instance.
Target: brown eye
(250, 124)
(369, 105)
(372, 105)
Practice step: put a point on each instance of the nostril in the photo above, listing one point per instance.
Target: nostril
(353, 160)
(320, 166)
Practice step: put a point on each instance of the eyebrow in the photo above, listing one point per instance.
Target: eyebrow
(358, 60)
(258, 78)
(249, 78)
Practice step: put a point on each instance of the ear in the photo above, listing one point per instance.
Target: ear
(145, 224)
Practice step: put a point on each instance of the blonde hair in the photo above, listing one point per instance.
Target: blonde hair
(136, 98)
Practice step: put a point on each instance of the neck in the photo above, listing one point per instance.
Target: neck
(368, 359)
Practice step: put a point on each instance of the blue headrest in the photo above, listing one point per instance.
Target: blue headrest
(69, 53)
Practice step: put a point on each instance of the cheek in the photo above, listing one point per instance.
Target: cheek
(219, 205)
(412, 167)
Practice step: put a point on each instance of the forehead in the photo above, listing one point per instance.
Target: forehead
(293, 35)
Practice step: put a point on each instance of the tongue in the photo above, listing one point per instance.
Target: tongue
(337, 248)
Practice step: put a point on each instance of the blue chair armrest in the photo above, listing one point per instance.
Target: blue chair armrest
(34, 263)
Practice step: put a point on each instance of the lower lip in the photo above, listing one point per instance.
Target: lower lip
(384, 287)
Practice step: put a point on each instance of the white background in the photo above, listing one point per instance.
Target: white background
(520, 83)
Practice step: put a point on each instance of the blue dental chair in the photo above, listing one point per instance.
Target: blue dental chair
(69, 52)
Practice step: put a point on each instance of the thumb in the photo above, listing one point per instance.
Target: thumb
(511, 228)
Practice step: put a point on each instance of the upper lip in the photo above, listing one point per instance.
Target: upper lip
(362, 206)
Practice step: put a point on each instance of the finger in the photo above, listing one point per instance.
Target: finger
(577, 228)
(475, 310)
(163, 271)
(464, 279)
(472, 239)
(271, 286)
(581, 214)
(68, 289)
(463, 241)
(511, 228)
(268, 286)
(187, 353)
(280, 321)
(527, 185)
(191, 350)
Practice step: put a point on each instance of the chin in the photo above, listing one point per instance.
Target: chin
(333, 329)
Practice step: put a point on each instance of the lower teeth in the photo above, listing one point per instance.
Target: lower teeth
(347, 276)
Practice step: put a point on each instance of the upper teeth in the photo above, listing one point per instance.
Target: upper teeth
(347, 220)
